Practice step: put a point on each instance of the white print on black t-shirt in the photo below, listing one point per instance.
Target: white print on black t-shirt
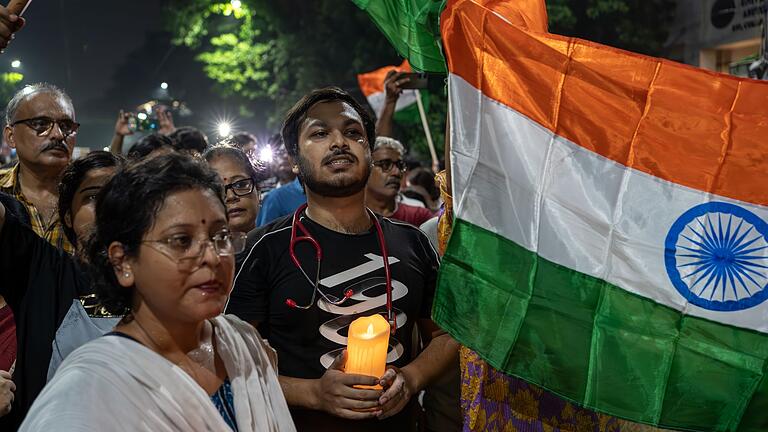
(330, 329)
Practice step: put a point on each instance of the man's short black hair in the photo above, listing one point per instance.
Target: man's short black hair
(296, 116)
(149, 144)
(189, 138)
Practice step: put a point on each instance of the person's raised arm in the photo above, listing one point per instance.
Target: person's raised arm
(122, 128)
(392, 90)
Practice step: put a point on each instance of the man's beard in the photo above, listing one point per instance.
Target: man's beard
(337, 188)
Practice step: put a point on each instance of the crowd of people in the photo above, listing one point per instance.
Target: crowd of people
(158, 288)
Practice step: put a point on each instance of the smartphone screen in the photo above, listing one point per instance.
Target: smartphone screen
(142, 122)
(417, 81)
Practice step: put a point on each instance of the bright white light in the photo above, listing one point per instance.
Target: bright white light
(236, 4)
(16, 64)
(164, 85)
(106, 148)
(142, 116)
(265, 155)
(224, 129)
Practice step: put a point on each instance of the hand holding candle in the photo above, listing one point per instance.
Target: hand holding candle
(367, 346)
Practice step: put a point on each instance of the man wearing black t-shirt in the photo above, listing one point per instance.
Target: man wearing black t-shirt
(329, 135)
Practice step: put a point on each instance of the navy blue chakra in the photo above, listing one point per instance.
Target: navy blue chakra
(716, 255)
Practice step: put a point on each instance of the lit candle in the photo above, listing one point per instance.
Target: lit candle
(367, 345)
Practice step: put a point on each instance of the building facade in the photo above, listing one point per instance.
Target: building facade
(719, 35)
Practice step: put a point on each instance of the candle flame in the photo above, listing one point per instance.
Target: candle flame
(369, 333)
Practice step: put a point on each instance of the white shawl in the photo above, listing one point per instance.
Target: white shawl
(116, 384)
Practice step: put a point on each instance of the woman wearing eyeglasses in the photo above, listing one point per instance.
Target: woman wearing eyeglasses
(241, 194)
(162, 254)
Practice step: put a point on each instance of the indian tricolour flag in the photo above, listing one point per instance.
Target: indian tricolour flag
(610, 241)
(372, 86)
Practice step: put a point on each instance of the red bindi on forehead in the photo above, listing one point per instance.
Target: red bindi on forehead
(203, 221)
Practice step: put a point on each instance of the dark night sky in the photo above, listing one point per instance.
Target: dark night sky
(107, 56)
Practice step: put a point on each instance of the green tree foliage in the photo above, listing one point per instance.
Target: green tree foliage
(635, 25)
(266, 53)
(269, 53)
(10, 83)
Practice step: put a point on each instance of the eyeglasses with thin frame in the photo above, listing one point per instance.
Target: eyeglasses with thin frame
(187, 251)
(387, 164)
(44, 125)
(241, 187)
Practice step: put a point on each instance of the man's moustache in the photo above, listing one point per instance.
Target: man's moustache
(336, 153)
(55, 145)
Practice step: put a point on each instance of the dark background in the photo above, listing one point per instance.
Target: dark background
(113, 55)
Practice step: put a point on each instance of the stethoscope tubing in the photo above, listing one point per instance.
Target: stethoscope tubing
(306, 236)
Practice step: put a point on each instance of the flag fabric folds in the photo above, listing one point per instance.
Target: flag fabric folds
(611, 235)
(412, 27)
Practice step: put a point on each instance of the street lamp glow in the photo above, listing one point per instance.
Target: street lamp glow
(164, 85)
(266, 155)
(16, 64)
(224, 129)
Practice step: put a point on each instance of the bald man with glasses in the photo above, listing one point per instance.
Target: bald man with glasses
(41, 126)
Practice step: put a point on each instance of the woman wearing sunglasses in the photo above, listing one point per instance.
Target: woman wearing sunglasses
(162, 254)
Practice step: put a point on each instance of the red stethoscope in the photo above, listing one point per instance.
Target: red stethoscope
(307, 237)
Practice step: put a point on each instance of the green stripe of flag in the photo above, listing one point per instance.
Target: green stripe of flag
(412, 26)
(410, 114)
(596, 344)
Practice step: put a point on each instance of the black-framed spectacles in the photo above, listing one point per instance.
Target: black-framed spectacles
(387, 164)
(44, 125)
(241, 187)
(187, 251)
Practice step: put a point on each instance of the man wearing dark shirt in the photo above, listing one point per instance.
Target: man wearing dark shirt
(329, 134)
(40, 295)
(42, 283)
